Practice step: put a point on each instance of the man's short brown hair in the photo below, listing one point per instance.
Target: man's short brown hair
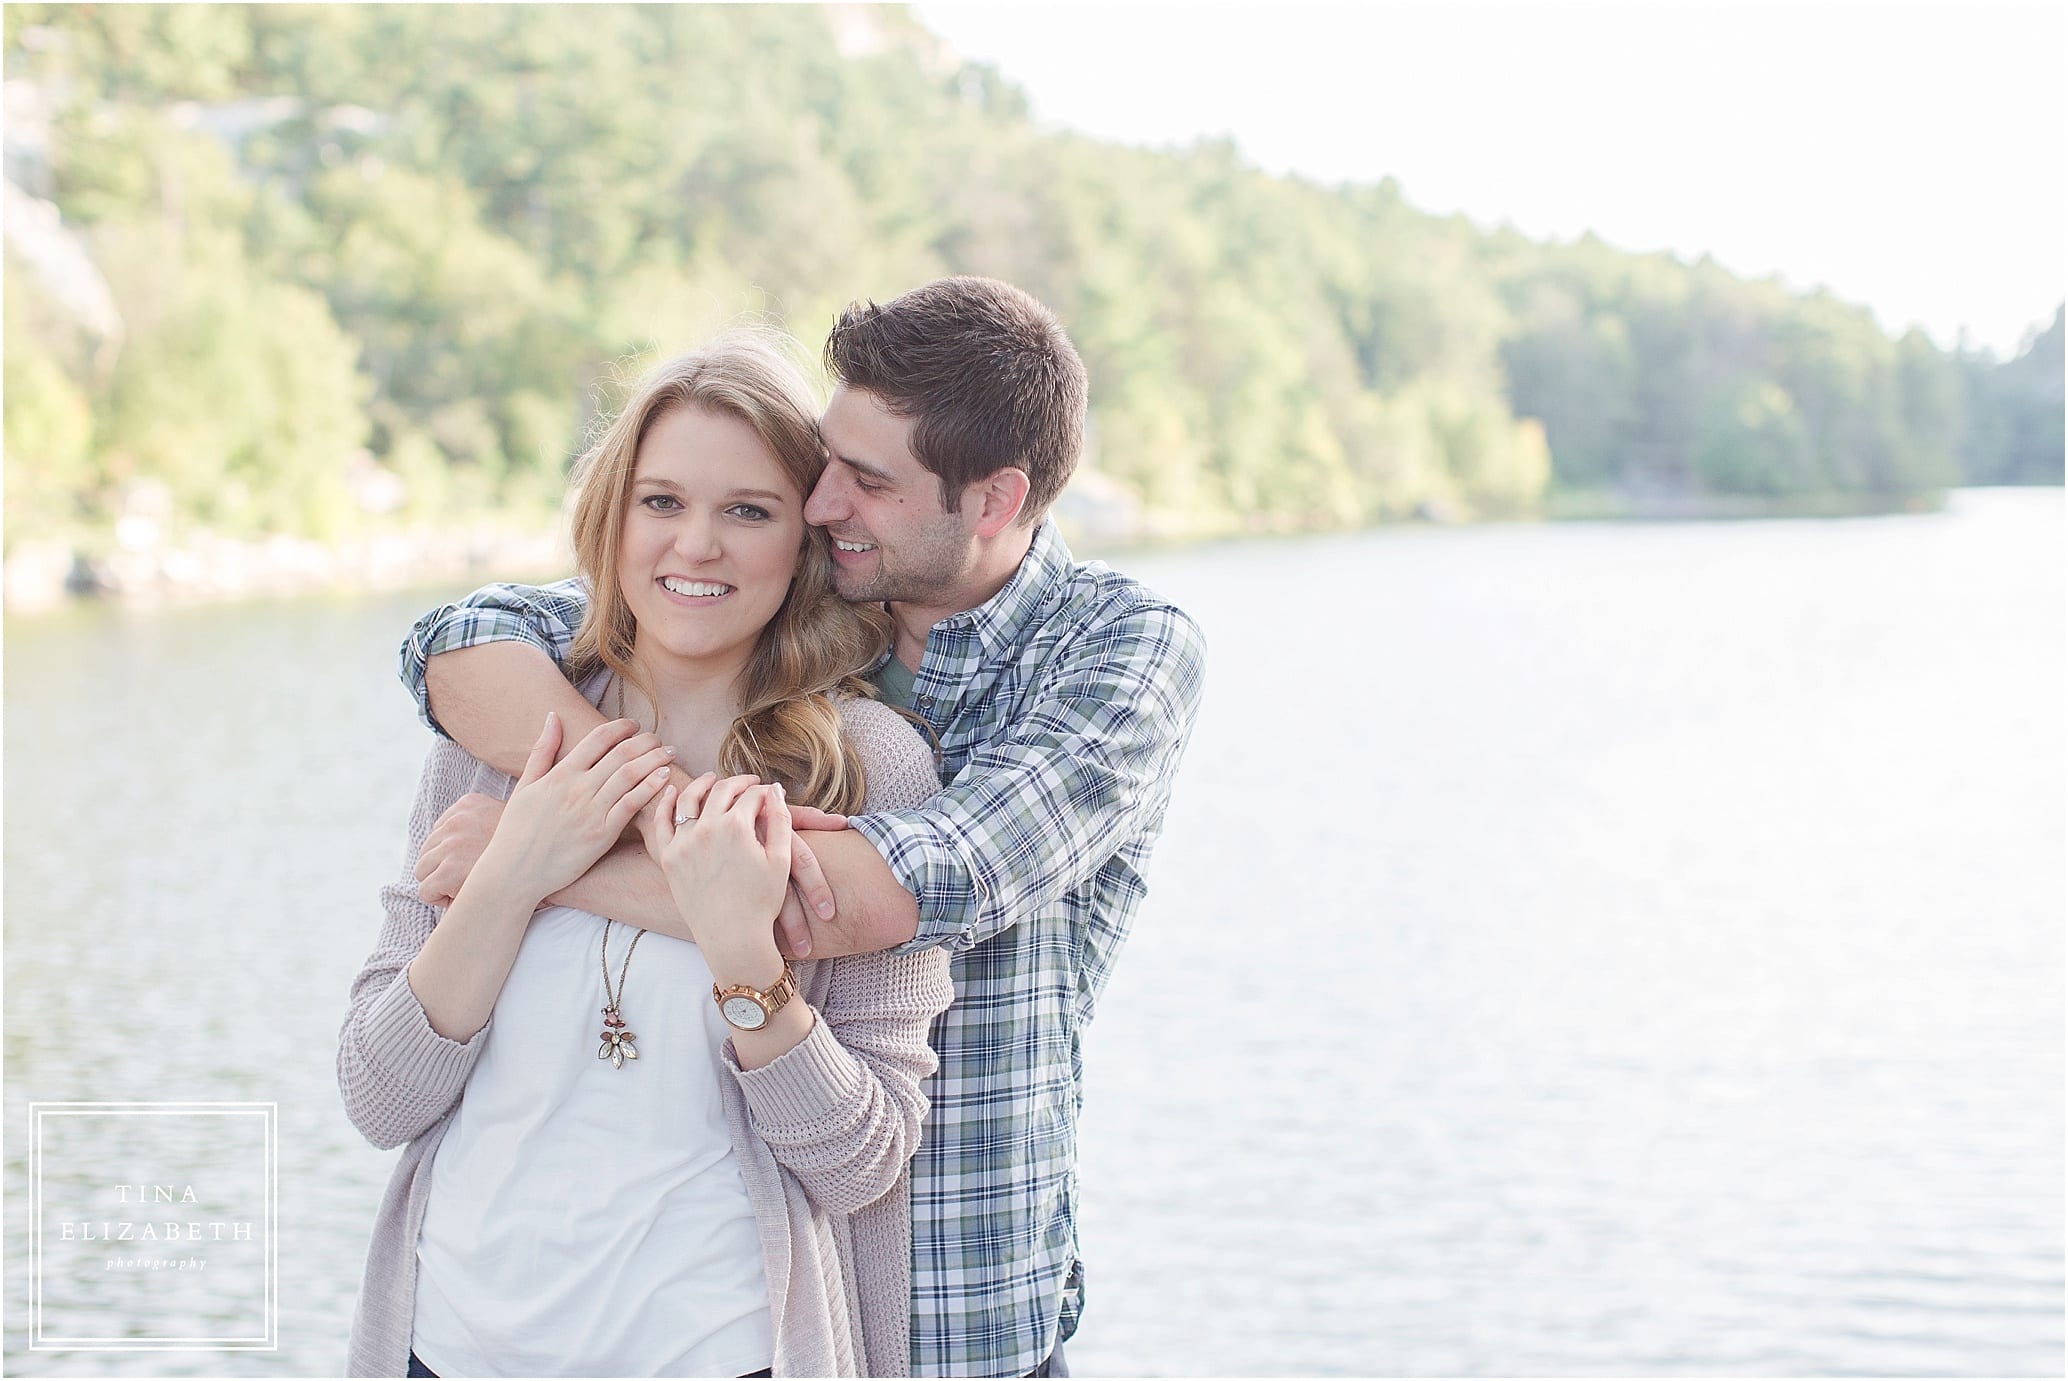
(986, 370)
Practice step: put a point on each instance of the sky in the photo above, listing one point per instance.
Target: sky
(1908, 157)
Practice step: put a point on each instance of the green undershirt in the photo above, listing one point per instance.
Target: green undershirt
(894, 680)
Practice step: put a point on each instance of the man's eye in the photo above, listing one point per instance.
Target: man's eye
(661, 503)
(753, 513)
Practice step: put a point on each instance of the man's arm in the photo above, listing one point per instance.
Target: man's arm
(486, 670)
(483, 695)
(875, 912)
(544, 617)
(1042, 806)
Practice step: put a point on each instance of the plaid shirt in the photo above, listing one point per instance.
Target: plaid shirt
(1062, 705)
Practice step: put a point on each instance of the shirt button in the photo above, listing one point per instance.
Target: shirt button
(926, 702)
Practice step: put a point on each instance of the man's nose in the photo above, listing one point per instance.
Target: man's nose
(825, 504)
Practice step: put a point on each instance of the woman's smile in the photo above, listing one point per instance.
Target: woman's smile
(695, 593)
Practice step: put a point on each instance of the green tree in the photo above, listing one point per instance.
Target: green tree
(240, 396)
(48, 438)
(443, 232)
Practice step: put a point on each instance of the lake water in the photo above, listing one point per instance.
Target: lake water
(1575, 949)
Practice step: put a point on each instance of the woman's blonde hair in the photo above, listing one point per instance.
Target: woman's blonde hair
(788, 730)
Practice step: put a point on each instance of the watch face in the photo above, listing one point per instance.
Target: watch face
(744, 1012)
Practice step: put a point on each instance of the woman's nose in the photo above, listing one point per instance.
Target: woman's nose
(697, 537)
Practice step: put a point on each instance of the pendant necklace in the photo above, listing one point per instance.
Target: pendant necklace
(617, 1040)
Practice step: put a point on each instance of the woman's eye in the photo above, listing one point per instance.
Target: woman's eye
(753, 513)
(661, 503)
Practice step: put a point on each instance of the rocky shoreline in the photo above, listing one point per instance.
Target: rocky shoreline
(143, 565)
(45, 575)
(144, 568)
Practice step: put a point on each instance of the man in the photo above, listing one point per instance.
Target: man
(1061, 694)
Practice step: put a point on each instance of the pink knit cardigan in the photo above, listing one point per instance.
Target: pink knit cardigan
(823, 1135)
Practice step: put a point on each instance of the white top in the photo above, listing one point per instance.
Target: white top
(586, 1220)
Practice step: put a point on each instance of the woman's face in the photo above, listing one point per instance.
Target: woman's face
(711, 539)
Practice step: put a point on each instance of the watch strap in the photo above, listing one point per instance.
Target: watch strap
(771, 999)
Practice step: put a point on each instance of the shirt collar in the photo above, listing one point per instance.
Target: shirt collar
(1007, 619)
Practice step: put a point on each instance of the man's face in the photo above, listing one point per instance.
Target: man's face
(892, 540)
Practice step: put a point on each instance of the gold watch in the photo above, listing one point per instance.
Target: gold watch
(750, 1009)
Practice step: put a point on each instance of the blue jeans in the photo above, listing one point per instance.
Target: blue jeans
(417, 1368)
(1053, 1366)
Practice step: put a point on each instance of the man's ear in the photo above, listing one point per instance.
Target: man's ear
(998, 498)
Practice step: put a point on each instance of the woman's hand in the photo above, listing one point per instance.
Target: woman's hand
(563, 817)
(728, 867)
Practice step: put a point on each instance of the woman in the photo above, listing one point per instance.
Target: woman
(608, 1171)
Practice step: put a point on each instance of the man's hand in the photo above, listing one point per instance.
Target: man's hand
(793, 928)
(877, 913)
(808, 894)
(454, 846)
(812, 818)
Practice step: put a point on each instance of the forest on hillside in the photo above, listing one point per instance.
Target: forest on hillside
(306, 269)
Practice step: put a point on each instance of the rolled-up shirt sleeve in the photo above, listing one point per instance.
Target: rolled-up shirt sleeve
(545, 616)
(1040, 808)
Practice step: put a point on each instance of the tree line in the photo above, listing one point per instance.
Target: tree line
(316, 267)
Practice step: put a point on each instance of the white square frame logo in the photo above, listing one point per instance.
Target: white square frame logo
(268, 1135)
